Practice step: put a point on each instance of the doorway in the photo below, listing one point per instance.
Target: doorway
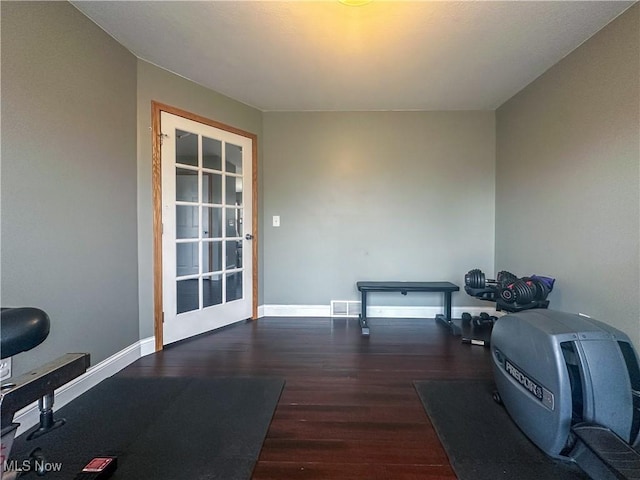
(205, 242)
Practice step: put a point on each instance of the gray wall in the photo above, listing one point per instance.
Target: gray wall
(378, 195)
(375, 196)
(68, 180)
(156, 84)
(568, 178)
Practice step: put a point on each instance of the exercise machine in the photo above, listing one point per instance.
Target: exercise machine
(23, 329)
(572, 385)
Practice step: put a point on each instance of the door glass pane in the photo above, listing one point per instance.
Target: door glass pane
(186, 148)
(187, 259)
(186, 185)
(211, 153)
(232, 222)
(211, 187)
(211, 222)
(211, 256)
(239, 217)
(212, 290)
(234, 158)
(233, 192)
(186, 221)
(234, 254)
(187, 295)
(234, 286)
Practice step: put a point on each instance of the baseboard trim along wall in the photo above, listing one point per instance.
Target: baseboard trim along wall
(372, 311)
(30, 415)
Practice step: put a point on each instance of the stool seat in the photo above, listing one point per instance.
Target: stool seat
(22, 328)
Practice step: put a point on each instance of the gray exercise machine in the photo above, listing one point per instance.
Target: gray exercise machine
(572, 385)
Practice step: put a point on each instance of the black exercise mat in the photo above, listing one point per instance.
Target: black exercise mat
(163, 428)
(481, 440)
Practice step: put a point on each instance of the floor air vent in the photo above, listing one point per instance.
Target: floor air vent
(345, 308)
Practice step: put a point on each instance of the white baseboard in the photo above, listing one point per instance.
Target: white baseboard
(295, 310)
(373, 311)
(147, 346)
(29, 416)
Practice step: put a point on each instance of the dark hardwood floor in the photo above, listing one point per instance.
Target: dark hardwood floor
(348, 409)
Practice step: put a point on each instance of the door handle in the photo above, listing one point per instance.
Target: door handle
(248, 236)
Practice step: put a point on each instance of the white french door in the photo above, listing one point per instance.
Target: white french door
(206, 227)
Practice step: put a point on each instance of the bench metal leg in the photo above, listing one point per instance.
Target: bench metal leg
(447, 305)
(447, 322)
(445, 319)
(363, 315)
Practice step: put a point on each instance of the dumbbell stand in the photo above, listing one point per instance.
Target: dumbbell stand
(501, 305)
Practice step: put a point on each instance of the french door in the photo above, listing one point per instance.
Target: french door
(206, 176)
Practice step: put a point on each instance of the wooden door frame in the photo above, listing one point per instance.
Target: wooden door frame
(156, 174)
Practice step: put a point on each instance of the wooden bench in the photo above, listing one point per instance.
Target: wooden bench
(405, 287)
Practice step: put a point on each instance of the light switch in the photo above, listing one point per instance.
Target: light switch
(276, 220)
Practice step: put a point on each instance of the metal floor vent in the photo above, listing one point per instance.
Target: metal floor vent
(345, 308)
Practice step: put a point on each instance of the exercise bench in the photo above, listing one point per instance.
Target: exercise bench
(445, 288)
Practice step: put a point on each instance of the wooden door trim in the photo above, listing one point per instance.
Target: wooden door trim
(156, 174)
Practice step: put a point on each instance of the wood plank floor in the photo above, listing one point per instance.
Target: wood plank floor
(348, 409)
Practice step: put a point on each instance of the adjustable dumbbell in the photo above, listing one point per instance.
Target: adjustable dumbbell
(505, 278)
(476, 279)
(524, 290)
(483, 320)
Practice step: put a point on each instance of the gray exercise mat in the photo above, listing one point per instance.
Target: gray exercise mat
(481, 440)
(163, 428)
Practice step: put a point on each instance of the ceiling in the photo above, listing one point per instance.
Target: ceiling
(325, 56)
